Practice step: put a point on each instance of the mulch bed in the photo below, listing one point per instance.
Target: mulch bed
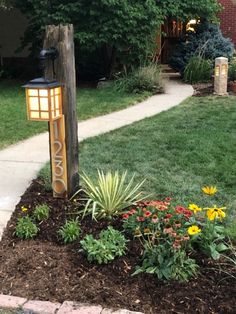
(45, 269)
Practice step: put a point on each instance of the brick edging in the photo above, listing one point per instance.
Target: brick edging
(46, 307)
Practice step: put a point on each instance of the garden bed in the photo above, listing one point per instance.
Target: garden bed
(45, 269)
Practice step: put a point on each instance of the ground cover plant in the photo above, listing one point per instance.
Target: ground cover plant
(179, 152)
(91, 102)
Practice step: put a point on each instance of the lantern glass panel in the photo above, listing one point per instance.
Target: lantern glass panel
(43, 93)
(44, 115)
(33, 92)
(57, 102)
(217, 70)
(34, 115)
(224, 69)
(44, 104)
(33, 103)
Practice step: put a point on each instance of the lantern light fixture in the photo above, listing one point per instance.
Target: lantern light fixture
(217, 70)
(44, 99)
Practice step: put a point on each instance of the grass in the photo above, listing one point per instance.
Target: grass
(90, 103)
(178, 151)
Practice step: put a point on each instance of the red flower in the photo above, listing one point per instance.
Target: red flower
(147, 213)
(168, 216)
(132, 211)
(125, 216)
(140, 218)
(168, 199)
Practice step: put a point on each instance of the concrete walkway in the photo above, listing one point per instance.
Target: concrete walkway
(20, 163)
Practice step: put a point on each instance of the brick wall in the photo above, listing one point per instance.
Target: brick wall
(228, 19)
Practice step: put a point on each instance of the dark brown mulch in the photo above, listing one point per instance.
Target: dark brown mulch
(45, 269)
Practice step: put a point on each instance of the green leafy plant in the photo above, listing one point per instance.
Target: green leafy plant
(110, 195)
(232, 70)
(162, 231)
(111, 243)
(41, 212)
(70, 231)
(145, 78)
(26, 228)
(167, 264)
(198, 70)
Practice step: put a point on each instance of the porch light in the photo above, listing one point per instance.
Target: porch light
(44, 99)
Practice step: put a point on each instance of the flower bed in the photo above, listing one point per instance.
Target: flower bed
(45, 268)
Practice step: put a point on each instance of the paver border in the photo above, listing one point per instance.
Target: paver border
(9, 302)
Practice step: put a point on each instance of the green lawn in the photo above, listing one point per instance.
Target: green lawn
(90, 103)
(178, 151)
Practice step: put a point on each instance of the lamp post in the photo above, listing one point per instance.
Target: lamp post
(53, 99)
(44, 103)
(221, 76)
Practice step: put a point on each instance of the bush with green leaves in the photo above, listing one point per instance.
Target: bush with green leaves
(208, 41)
(26, 228)
(111, 243)
(145, 78)
(70, 231)
(167, 264)
(110, 194)
(198, 70)
(232, 69)
(41, 212)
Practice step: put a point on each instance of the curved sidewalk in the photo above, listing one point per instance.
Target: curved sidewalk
(20, 163)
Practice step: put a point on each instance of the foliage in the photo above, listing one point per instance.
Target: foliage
(168, 234)
(210, 240)
(111, 243)
(163, 234)
(26, 228)
(41, 212)
(70, 231)
(110, 194)
(198, 70)
(232, 69)
(112, 24)
(145, 78)
(167, 264)
(119, 30)
(208, 42)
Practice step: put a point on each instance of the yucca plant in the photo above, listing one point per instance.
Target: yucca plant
(110, 194)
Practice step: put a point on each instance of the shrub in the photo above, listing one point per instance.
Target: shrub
(207, 41)
(145, 78)
(111, 243)
(232, 70)
(41, 212)
(110, 194)
(198, 70)
(25, 228)
(70, 231)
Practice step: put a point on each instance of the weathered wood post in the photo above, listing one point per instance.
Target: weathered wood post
(61, 37)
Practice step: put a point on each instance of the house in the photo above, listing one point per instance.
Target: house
(228, 19)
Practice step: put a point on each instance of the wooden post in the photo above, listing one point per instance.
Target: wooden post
(62, 38)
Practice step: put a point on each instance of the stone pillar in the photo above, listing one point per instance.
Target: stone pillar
(221, 76)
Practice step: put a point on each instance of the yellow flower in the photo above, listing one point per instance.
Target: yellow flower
(24, 209)
(209, 190)
(194, 230)
(216, 212)
(194, 208)
(147, 231)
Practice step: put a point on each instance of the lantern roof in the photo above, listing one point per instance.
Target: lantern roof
(41, 82)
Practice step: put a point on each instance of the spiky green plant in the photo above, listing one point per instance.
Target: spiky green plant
(110, 194)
